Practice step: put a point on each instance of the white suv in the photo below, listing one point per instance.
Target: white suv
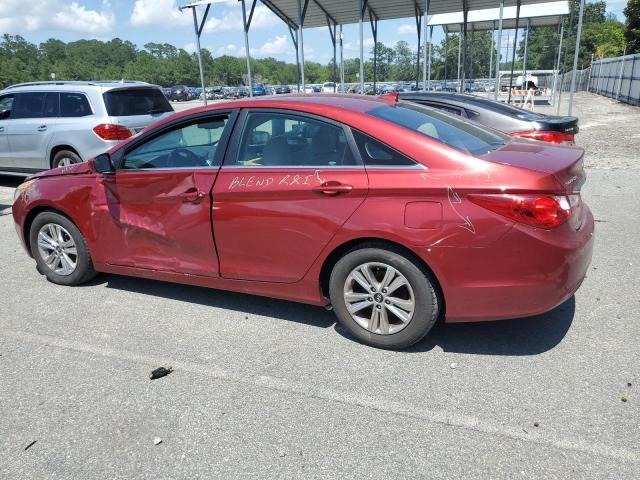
(51, 124)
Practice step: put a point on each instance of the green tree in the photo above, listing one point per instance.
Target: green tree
(632, 26)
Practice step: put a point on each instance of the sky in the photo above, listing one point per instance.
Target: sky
(143, 21)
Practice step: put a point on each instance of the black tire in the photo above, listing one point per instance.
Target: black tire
(427, 303)
(63, 155)
(83, 271)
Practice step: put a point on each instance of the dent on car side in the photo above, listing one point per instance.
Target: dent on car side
(423, 209)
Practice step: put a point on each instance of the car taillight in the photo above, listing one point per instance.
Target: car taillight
(542, 211)
(547, 136)
(109, 131)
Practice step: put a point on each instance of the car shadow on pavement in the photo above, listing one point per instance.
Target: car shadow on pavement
(521, 336)
(10, 181)
(239, 302)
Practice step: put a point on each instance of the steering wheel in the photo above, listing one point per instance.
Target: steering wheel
(183, 157)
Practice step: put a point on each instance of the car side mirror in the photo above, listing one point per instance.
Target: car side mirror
(102, 164)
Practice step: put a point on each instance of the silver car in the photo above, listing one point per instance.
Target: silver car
(51, 124)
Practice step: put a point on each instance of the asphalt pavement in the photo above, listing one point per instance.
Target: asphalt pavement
(264, 388)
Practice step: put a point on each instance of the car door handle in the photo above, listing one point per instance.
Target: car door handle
(1, 129)
(332, 187)
(42, 128)
(192, 195)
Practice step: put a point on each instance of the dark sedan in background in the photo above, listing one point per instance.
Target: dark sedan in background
(501, 116)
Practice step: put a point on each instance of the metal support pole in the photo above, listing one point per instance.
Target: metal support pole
(245, 28)
(419, 29)
(555, 76)
(332, 34)
(301, 14)
(499, 51)
(513, 54)
(424, 60)
(564, 65)
(459, 52)
(197, 30)
(473, 41)
(429, 59)
(524, 60)
(576, 54)
(360, 15)
(493, 34)
(465, 16)
(374, 30)
(446, 54)
(624, 53)
(590, 71)
(341, 62)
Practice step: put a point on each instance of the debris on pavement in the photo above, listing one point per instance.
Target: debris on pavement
(624, 399)
(157, 441)
(30, 445)
(536, 424)
(160, 372)
(453, 365)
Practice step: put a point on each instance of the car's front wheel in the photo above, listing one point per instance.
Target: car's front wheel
(383, 297)
(65, 158)
(60, 250)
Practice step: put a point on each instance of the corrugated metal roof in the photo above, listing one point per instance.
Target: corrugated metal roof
(539, 14)
(346, 11)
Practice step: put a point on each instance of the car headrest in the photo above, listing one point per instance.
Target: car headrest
(324, 141)
(276, 152)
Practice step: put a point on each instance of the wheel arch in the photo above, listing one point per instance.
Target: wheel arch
(374, 242)
(58, 148)
(30, 217)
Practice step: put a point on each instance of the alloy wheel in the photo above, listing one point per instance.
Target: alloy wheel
(57, 249)
(379, 298)
(65, 162)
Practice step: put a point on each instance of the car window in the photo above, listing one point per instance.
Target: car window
(282, 139)
(135, 101)
(35, 105)
(446, 108)
(190, 146)
(375, 153)
(456, 133)
(74, 105)
(6, 102)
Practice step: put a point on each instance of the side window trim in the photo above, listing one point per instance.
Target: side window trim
(119, 157)
(233, 149)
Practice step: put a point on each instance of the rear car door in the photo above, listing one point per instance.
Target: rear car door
(34, 116)
(158, 202)
(6, 102)
(288, 183)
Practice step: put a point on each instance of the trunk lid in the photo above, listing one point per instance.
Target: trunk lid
(558, 124)
(565, 163)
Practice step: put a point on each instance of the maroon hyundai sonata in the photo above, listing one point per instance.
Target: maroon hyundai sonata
(393, 213)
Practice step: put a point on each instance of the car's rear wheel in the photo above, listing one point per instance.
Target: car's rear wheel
(65, 158)
(60, 250)
(383, 298)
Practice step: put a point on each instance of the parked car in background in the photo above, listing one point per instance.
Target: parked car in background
(501, 116)
(387, 214)
(258, 90)
(51, 124)
(179, 93)
(167, 92)
(328, 87)
(280, 89)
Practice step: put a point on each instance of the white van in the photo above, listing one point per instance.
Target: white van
(328, 87)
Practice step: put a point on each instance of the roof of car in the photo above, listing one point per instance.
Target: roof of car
(74, 85)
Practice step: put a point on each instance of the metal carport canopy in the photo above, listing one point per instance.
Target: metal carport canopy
(343, 12)
(537, 15)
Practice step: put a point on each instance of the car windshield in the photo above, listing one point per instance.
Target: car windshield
(139, 101)
(461, 135)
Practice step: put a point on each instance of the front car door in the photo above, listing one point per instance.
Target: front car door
(34, 116)
(288, 183)
(158, 202)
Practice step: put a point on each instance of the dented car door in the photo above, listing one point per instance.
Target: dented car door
(158, 203)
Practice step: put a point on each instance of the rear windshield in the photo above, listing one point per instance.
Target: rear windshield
(509, 110)
(454, 132)
(138, 101)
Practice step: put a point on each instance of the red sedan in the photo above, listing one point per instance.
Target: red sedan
(393, 213)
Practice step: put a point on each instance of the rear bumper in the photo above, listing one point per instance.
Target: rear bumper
(527, 272)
